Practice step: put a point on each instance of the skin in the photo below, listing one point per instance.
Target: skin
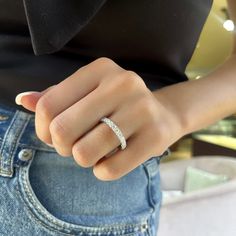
(151, 121)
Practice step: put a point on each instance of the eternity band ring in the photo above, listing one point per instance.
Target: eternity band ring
(116, 130)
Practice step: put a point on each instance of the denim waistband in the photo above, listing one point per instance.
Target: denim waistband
(17, 132)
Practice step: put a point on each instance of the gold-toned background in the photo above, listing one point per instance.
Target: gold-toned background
(215, 44)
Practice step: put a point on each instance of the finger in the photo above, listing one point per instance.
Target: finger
(29, 101)
(68, 92)
(80, 118)
(124, 161)
(71, 125)
(102, 140)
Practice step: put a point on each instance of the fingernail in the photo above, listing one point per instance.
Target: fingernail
(20, 95)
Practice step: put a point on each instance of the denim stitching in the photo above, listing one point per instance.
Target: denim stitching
(13, 144)
(120, 227)
(2, 147)
(14, 148)
(35, 218)
(152, 219)
(149, 188)
(29, 191)
(31, 200)
(23, 145)
(151, 163)
(9, 170)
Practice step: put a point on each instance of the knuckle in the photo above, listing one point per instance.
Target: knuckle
(81, 156)
(44, 107)
(130, 81)
(57, 129)
(134, 78)
(104, 61)
(131, 74)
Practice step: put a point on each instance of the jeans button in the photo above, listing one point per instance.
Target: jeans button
(25, 154)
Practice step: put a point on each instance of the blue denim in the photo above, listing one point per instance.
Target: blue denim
(43, 193)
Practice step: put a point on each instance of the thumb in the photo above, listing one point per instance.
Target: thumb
(29, 99)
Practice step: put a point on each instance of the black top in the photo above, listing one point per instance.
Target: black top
(43, 42)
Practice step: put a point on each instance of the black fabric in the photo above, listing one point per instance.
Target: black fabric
(43, 42)
(53, 23)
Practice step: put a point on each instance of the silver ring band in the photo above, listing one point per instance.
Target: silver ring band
(116, 130)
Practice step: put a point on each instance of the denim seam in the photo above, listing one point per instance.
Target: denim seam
(149, 188)
(36, 219)
(36, 147)
(23, 145)
(152, 162)
(149, 230)
(152, 219)
(13, 144)
(31, 201)
(120, 227)
(2, 171)
(26, 122)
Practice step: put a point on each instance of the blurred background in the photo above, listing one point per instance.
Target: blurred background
(214, 46)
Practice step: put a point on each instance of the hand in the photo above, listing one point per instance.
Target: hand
(68, 116)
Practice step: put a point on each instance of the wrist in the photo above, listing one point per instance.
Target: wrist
(166, 97)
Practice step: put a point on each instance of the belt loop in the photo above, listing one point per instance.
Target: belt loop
(10, 141)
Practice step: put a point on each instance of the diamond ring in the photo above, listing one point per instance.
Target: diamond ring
(116, 130)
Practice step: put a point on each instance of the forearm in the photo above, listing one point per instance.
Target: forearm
(200, 103)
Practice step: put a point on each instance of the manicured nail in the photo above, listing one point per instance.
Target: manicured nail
(20, 95)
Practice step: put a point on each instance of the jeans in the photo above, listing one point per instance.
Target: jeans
(43, 193)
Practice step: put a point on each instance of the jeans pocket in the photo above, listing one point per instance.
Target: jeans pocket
(68, 198)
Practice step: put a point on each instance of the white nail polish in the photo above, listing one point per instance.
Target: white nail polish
(20, 95)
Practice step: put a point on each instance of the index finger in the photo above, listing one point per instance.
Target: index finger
(70, 91)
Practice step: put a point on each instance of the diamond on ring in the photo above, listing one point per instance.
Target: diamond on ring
(116, 130)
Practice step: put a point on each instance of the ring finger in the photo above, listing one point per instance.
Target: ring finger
(102, 140)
